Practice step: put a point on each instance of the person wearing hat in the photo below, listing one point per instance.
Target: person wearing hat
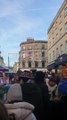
(33, 94)
(26, 76)
(14, 93)
(39, 79)
(16, 105)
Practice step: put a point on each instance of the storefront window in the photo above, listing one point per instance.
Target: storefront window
(43, 64)
(29, 64)
(36, 64)
(23, 64)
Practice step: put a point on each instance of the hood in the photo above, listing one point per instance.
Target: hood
(20, 109)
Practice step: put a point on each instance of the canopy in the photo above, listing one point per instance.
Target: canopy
(3, 69)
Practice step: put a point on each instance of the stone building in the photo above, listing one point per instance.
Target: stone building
(33, 54)
(57, 38)
(1, 60)
(15, 67)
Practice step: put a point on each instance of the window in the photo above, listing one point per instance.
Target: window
(36, 47)
(61, 32)
(66, 26)
(53, 54)
(43, 47)
(24, 55)
(23, 64)
(43, 64)
(56, 36)
(53, 40)
(43, 54)
(60, 19)
(30, 58)
(57, 54)
(66, 46)
(65, 11)
(30, 54)
(29, 47)
(36, 54)
(23, 48)
(29, 64)
(36, 64)
(61, 49)
(50, 56)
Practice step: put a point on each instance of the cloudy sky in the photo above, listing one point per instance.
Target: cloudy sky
(21, 19)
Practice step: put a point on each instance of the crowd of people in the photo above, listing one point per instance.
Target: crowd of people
(35, 96)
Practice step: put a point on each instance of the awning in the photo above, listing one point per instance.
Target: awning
(61, 59)
(51, 66)
(3, 69)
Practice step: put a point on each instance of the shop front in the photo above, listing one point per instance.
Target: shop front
(51, 66)
(61, 60)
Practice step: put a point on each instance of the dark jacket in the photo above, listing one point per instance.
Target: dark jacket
(58, 109)
(45, 95)
(36, 95)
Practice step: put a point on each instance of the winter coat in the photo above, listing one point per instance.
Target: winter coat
(45, 99)
(58, 109)
(38, 96)
(21, 110)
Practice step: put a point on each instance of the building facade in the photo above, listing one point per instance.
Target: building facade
(33, 54)
(15, 67)
(57, 38)
(1, 60)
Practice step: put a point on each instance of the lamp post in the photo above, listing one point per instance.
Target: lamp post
(8, 62)
(9, 57)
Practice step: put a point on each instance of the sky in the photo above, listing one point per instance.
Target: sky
(22, 19)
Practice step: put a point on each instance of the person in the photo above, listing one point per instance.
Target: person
(16, 105)
(52, 87)
(14, 93)
(39, 80)
(3, 112)
(32, 94)
(58, 108)
(62, 89)
(20, 111)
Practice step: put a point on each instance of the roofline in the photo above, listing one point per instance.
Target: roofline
(60, 9)
(38, 41)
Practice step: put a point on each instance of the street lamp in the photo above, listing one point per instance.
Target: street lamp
(8, 62)
(14, 55)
